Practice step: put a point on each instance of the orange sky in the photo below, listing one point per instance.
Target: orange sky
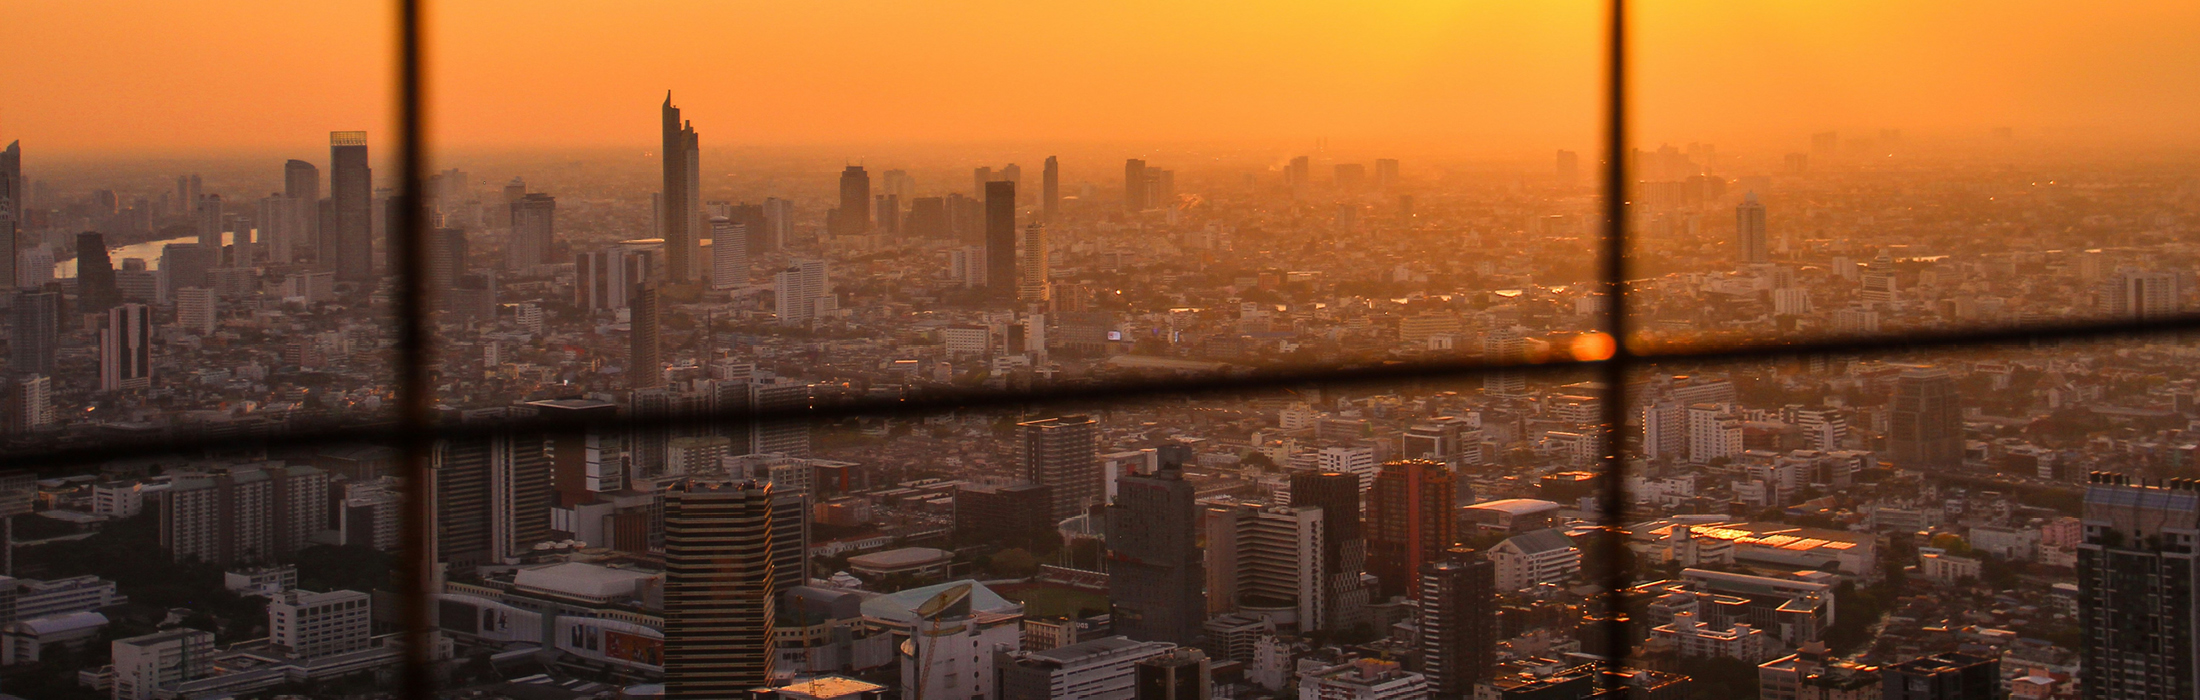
(102, 76)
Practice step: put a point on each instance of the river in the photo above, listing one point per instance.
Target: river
(149, 250)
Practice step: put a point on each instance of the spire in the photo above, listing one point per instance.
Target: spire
(668, 98)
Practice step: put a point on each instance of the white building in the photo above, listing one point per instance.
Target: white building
(1101, 669)
(61, 596)
(1947, 568)
(25, 641)
(1266, 561)
(312, 625)
(729, 253)
(1351, 460)
(1713, 433)
(1362, 679)
(951, 655)
(1692, 637)
(265, 581)
(804, 291)
(145, 664)
(965, 340)
(1535, 558)
(123, 499)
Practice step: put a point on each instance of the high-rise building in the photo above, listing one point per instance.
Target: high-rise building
(781, 396)
(243, 515)
(729, 253)
(1000, 240)
(2136, 589)
(1409, 522)
(1749, 232)
(308, 625)
(1156, 581)
(446, 254)
(534, 231)
(207, 219)
(1032, 286)
(853, 218)
(95, 275)
(603, 279)
(1956, 676)
(2140, 295)
(1064, 455)
(1504, 345)
(126, 348)
(645, 365)
(803, 291)
(494, 494)
(1458, 622)
(12, 195)
(1134, 185)
(186, 265)
(1927, 428)
(1344, 549)
(29, 408)
(1050, 191)
(34, 331)
(1269, 557)
(302, 189)
(719, 595)
(347, 243)
(682, 205)
(196, 310)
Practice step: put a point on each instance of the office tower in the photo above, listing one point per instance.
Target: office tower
(195, 310)
(302, 186)
(1344, 549)
(1000, 240)
(207, 218)
(34, 335)
(778, 225)
(243, 250)
(446, 260)
(1749, 232)
(980, 176)
(186, 265)
(1499, 347)
(534, 231)
(645, 366)
(1409, 522)
(282, 227)
(1134, 185)
(154, 665)
(1458, 622)
(34, 267)
(1156, 581)
(1298, 175)
(126, 348)
(854, 215)
(1032, 286)
(1263, 556)
(13, 194)
(1956, 676)
(2136, 588)
(1050, 191)
(2140, 295)
(719, 595)
(888, 215)
(1927, 429)
(1064, 454)
(347, 244)
(682, 204)
(29, 407)
(804, 291)
(309, 625)
(729, 253)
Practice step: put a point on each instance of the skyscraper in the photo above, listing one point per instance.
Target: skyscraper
(1262, 556)
(682, 204)
(1050, 191)
(1064, 454)
(1000, 240)
(95, 275)
(347, 245)
(207, 218)
(1344, 549)
(1032, 284)
(1749, 232)
(1409, 522)
(645, 366)
(719, 593)
(1177, 674)
(1927, 429)
(186, 265)
(1134, 185)
(854, 215)
(1458, 622)
(729, 253)
(34, 335)
(534, 231)
(126, 348)
(1156, 583)
(493, 497)
(2136, 589)
(2140, 295)
(803, 291)
(12, 194)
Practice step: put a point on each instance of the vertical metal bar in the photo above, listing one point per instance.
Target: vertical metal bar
(1612, 545)
(414, 400)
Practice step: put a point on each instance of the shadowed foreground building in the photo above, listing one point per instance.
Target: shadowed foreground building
(1409, 522)
(719, 591)
(2136, 577)
(1156, 580)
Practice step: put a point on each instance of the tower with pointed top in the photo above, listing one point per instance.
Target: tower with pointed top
(681, 152)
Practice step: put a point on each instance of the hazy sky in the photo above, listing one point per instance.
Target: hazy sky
(1500, 75)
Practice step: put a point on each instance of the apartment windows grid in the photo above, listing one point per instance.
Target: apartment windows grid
(2139, 318)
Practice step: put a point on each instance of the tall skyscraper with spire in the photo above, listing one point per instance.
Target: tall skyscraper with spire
(681, 154)
(347, 243)
(1050, 190)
